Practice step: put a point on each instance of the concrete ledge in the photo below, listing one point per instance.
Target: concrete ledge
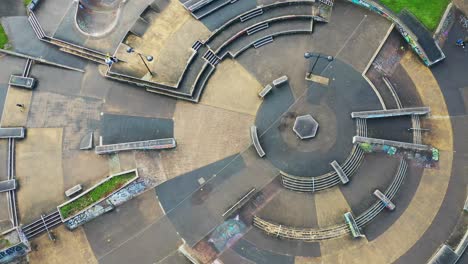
(157, 144)
(398, 144)
(256, 142)
(12, 132)
(343, 177)
(391, 112)
(7, 185)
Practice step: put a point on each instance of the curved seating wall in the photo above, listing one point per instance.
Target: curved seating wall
(310, 234)
(325, 181)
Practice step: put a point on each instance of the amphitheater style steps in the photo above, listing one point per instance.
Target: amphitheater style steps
(257, 28)
(82, 55)
(252, 14)
(262, 42)
(211, 58)
(211, 8)
(196, 46)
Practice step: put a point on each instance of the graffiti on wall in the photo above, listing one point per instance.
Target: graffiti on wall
(379, 10)
(13, 252)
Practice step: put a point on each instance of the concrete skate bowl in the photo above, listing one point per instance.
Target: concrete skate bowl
(97, 18)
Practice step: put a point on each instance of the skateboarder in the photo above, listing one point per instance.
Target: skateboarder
(21, 107)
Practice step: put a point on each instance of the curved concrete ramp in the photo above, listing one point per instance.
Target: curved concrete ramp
(97, 18)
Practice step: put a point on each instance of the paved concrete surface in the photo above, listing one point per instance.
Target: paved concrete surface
(218, 133)
(210, 147)
(25, 41)
(108, 232)
(12, 8)
(39, 172)
(120, 128)
(70, 247)
(14, 116)
(143, 248)
(239, 91)
(449, 73)
(188, 183)
(462, 4)
(330, 106)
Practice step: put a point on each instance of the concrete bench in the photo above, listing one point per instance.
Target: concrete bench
(156, 144)
(343, 177)
(384, 199)
(256, 142)
(397, 144)
(12, 132)
(349, 219)
(392, 112)
(265, 91)
(23, 82)
(7, 185)
(73, 190)
(281, 80)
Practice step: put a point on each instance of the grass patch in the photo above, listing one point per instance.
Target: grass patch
(26, 2)
(429, 12)
(3, 37)
(96, 194)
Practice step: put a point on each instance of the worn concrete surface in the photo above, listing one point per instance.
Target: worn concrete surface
(108, 232)
(39, 172)
(217, 133)
(13, 115)
(233, 88)
(70, 247)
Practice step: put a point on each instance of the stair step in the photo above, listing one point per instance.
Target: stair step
(262, 42)
(257, 28)
(252, 14)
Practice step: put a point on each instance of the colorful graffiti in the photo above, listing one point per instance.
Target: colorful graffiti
(227, 233)
(13, 252)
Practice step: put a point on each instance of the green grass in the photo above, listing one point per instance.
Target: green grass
(429, 12)
(3, 37)
(96, 194)
(26, 2)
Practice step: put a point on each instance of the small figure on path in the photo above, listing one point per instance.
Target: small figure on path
(460, 43)
(21, 107)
